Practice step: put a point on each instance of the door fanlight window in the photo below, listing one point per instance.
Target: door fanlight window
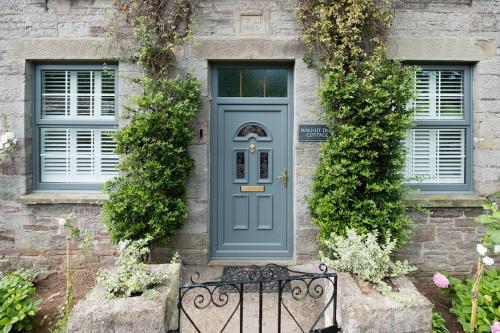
(252, 130)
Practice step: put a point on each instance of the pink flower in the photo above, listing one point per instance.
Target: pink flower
(495, 328)
(441, 281)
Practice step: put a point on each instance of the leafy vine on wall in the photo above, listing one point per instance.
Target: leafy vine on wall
(148, 199)
(359, 182)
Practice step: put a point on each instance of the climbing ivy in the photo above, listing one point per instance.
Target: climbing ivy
(359, 182)
(148, 199)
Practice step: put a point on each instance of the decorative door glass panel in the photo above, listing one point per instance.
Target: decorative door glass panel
(250, 129)
(264, 165)
(240, 165)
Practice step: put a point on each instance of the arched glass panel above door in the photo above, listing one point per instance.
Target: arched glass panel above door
(252, 130)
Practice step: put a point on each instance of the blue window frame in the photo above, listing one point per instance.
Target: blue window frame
(75, 115)
(439, 146)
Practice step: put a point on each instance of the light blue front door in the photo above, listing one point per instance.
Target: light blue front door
(251, 180)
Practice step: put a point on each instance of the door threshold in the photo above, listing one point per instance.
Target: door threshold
(246, 262)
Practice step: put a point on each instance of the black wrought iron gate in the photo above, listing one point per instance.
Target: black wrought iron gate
(261, 280)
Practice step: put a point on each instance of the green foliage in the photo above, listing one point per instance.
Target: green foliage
(438, 323)
(359, 181)
(133, 277)
(491, 221)
(159, 27)
(344, 32)
(17, 304)
(362, 255)
(488, 300)
(148, 199)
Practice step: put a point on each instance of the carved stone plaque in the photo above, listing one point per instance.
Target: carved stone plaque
(252, 24)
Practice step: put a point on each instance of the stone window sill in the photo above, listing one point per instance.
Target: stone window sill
(448, 200)
(40, 198)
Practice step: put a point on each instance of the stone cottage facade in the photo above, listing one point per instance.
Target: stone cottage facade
(235, 44)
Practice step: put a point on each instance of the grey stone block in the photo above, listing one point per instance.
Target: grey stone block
(443, 49)
(97, 313)
(368, 311)
(424, 233)
(306, 241)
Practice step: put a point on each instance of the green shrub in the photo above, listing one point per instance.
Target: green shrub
(17, 304)
(133, 277)
(362, 255)
(488, 300)
(359, 180)
(438, 323)
(148, 199)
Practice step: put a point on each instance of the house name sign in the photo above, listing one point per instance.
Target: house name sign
(313, 133)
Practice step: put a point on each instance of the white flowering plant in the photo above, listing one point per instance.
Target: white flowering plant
(133, 277)
(364, 257)
(8, 139)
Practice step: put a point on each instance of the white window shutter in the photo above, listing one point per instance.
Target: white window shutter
(435, 156)
(426, 89)
(440, 95)
(77, 155)
(106, 95)
(450, 155)
(78, 94)
(54, 154)
(108, 159)
(55, 94)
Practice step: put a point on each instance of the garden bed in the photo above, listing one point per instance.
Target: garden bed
(51, 289)
(442, 305)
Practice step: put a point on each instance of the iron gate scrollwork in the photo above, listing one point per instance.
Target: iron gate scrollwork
(287, 283)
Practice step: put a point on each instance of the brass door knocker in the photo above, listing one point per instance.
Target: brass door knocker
(252, 147)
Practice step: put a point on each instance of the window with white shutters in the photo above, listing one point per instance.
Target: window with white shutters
(74, 123)
(439, 147)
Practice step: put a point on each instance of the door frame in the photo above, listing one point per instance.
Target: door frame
(215, 101)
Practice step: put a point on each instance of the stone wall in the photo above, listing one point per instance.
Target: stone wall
(32, 236)
(446, 30)
(444, 239)
(66, 31)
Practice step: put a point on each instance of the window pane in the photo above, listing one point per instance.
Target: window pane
(240, 165)
(77, 155)
(229, 82)
(440, 95)
(264, 165)
(77, 94)
(450, 96)
(436, 156)
(55, 94)
(276, 82)
(253, 82)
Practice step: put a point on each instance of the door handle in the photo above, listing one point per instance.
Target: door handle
(284, 177)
